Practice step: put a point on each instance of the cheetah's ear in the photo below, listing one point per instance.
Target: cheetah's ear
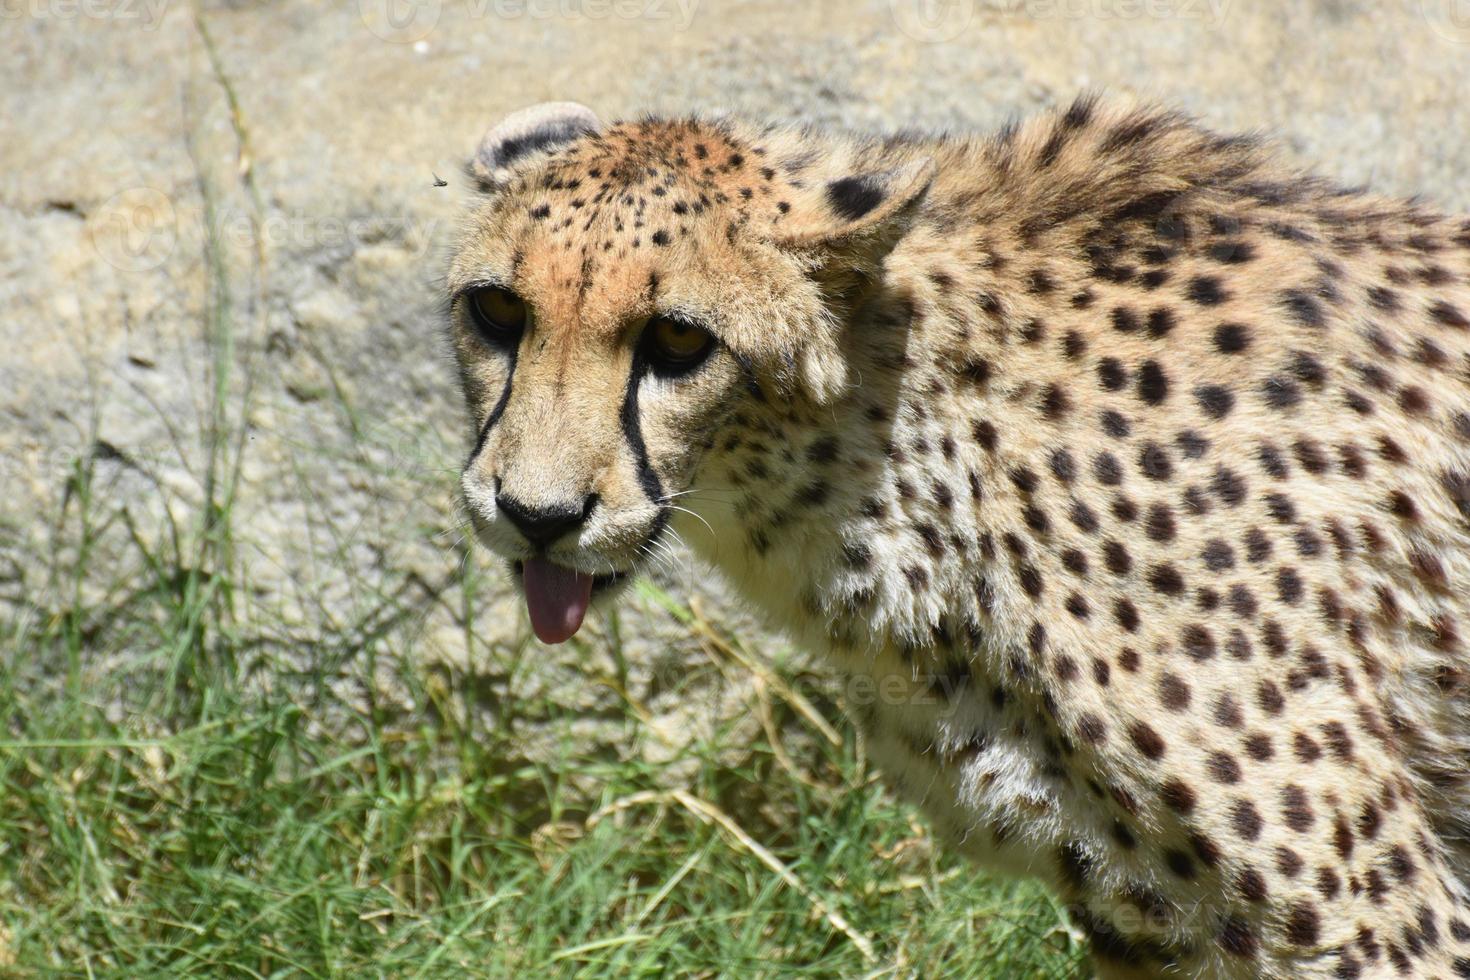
(510, 144)
(857, 213)
(844, 227)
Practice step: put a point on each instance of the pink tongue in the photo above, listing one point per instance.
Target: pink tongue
(556, 598)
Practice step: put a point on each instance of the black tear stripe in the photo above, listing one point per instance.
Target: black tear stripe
(752, 382)
(497, 411)
(647, 478)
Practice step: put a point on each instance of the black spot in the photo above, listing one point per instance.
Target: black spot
(1031, 582)
(1218, 556)
(1216, 400)
(1166, 580)
(1272, 461)
(1449, 315)
(1160, 523)
(1174, 693)
(1302, 925)
(1307, 368)
(1054, 402)
(1039, 282)
(1231, 252)
(1280, 391)
(661, 237)
(1180, 863)
(1111, 374)
(1075, 865)
(1075, 562)
(1228, 486)
(1207, 291)
(1192, 444)
(1303, 307)
(1247, 822)
(1116, 558)
(1062, 466)
(1161, 321)
(1024, 479)
(1124, 319)
(1107, 469)
(1280, 507)
(1236, 937)
(1232, 338)
(1153, 384)
(1115, 424)
(853, 197)
(1074, 345)
(1154, 462)
(1178, 796)
(1198, 642)
(1289, 585)
(1146, 740)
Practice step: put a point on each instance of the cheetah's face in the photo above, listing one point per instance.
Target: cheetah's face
(613, 303)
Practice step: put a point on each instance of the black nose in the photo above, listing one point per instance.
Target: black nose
(543, 525)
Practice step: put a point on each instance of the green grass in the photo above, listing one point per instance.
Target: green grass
(194, 784)
(229, 838)
(215, 825)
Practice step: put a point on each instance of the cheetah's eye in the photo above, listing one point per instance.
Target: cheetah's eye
(675, 346)
(499, 314)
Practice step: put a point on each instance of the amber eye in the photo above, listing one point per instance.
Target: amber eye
(674, 345)
(499, 313)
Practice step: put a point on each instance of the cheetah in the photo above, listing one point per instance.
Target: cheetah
(1127, 467)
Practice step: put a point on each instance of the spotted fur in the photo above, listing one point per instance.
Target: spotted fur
(1127, 469)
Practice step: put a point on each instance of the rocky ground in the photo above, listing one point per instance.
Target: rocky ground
(221, 233)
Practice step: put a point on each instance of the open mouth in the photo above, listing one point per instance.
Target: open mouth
(557, 597)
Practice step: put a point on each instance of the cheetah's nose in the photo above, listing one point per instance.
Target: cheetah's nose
(543, 525)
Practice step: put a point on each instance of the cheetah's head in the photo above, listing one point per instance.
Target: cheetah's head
(616, 296)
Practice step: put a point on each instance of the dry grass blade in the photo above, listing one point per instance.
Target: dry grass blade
(774, 682)
(708, 811)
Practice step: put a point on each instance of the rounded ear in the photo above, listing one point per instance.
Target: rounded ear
(510, 144)
(844, 227)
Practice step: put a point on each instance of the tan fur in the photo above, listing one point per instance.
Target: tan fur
(1125, 471)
